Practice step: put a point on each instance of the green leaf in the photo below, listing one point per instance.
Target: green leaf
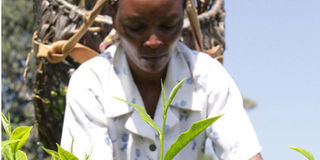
(6, 150)
(21, 133)
(163, 96)
(5, 154)
(6, 144)
(187, 136)
(53, 94)
(20, 155)
(173, 93)
(72, 142)
(145, 116)
(65, 155)
(54, 154)
(63, 91)
(87, 157)
(55, 158)
(6, 124)
(164, 118)
(303, 151)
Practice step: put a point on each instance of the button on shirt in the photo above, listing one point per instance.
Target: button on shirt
(105, 128)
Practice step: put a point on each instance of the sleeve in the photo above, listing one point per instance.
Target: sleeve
(232, 136)
(85, 127)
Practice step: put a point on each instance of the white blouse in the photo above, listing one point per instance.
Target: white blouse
(105, 128)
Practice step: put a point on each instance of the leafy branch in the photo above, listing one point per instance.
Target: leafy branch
(183, 138)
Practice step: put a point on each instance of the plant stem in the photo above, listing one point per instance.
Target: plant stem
(164, 117)
(161, 146)
(161, 137)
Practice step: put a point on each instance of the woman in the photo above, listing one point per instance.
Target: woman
(148, 51)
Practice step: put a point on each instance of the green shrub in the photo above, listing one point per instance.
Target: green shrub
(10, 149)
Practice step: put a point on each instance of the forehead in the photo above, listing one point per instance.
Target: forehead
(150, 7)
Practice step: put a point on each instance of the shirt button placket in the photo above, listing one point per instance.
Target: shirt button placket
(152, 147)
(152, 152)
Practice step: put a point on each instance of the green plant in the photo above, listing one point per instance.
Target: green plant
(303, 152)
(185, 137)
(18, 137)
(62, 154)
(10, 149)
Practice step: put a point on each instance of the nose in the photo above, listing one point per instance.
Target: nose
(153, 42)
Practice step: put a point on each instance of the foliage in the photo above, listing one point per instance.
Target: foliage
(61, 154)
(303, 152)
(10, 149)
(188, 135)
(143, 114)
(17, 28)
(185, 137)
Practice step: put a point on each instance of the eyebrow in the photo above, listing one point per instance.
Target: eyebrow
(173, 17)
(132, 17)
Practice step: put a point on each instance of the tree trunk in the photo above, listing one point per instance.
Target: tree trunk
(59, 19)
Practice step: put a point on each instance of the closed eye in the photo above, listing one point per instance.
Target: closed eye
(168, 27)
(133, 24)
(137, 28)
(170, 24)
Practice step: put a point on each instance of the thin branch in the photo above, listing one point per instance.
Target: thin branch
(100, 18)
(195, 25)
(206, 15)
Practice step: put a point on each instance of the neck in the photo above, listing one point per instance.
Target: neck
(149, 86)
(147, 79)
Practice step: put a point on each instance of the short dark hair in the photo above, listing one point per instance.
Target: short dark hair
(114, 5)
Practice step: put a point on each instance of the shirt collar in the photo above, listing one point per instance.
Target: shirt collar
(178, 69)
(124, 87)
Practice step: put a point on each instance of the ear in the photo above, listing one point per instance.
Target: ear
(112, 12)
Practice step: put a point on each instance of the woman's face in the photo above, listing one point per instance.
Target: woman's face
(149, 30)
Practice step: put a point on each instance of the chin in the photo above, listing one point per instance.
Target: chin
(154, 69)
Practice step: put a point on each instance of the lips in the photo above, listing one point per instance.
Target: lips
(154, 57)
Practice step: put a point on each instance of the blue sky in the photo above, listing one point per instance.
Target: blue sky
(273, 54)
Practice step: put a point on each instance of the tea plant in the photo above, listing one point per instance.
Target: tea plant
(183, 138)
(62, 154)
(10, 149)
(303, 152)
